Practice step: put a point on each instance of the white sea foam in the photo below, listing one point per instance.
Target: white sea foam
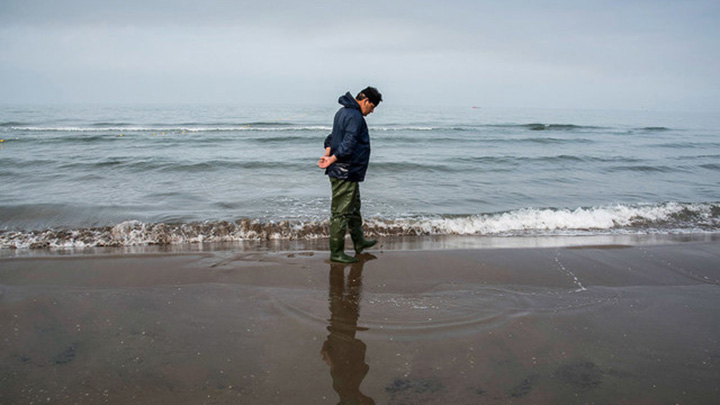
(665, 218)
(669, 217)
(218, 128)
(175, 129)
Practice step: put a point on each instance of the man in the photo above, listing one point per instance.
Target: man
(347, 153)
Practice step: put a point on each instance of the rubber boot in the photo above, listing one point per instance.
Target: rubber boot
(364, 244)
(337, 242)
(337, 252)
(359, 241)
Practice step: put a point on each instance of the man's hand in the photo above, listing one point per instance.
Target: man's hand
(326, 161)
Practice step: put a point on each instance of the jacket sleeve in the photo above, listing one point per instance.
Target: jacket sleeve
(328, 140)
(352, 131)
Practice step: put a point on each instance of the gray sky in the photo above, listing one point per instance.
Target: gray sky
(657, 55)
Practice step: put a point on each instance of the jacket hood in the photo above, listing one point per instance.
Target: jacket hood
(348, 100)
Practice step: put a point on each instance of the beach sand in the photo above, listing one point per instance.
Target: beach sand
(591, 324)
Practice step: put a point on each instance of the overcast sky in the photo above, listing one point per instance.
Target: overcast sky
(657, 55)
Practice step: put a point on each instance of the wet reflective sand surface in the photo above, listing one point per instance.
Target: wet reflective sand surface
(598, 324)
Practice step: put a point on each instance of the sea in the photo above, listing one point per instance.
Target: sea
(87, 176)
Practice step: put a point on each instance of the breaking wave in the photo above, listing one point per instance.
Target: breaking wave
(126, 128)
(191, 127)
(664, 218)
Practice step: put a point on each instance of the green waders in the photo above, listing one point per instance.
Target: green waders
(345, 213)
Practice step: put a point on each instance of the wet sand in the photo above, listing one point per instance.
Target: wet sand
(590, 324)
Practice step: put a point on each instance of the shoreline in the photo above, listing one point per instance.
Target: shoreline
(590, 323)
(391, 243)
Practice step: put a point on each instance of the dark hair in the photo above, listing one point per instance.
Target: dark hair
(370, 93)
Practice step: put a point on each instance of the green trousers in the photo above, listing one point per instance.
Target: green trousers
(345, 210)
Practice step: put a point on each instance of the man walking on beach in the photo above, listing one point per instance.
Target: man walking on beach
(347, 154)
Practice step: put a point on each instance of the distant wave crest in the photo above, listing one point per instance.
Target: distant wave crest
(127, 128)
(281, 126)
(668, 218)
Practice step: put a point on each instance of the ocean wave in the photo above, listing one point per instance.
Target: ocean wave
(643, 169)
(256, 127)
(110, 124)
(11, 124)
(172, 129)
(192, 127)
(663, 218)
(687, 145)
(538, 126)
(553, 127)
(412, 167)
(281, 126)
(144, 166)
(416, 128)
(672, 217)
(654, 129)
(492, 162)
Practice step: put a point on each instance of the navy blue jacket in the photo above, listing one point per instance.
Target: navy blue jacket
(349, 142)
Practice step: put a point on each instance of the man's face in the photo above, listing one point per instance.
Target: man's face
(366, 107)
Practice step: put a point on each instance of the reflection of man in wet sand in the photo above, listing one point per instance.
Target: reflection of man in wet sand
(342, 351)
